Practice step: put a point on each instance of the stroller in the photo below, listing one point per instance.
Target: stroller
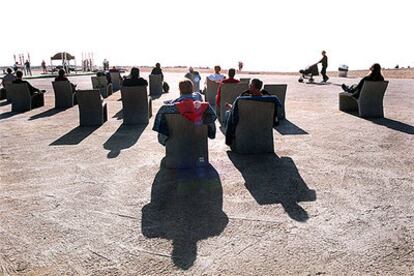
(309, 72)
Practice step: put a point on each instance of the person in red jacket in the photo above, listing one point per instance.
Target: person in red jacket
(230, 79)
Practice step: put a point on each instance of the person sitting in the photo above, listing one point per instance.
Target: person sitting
(114, 70)
(188, 105)
(107, 75)
(8, 78)
(186, 92)
(254, 94)
(217, 77)
(157, 70)
(195, 77)
(374, 75)
(134, 79)
(230, 79)
(62, 77)
(19, 80)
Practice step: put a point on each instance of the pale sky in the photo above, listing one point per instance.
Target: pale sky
(265, 34)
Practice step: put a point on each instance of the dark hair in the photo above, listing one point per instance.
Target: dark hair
(217, 67)
(19, 74)
(232, 72)
(376, 71)
(9, 70)
(61, 72)
(157, 64)
(134, 72)
(257, 83)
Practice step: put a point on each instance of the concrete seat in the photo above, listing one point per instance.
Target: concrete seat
(278, 90)
(116, 81)
(187, 144)
(254, 130)
(64, 96)
(21, 99)
(211, 92)
(6, 84)
(92, 110)
(229, 93)
(370, 101)
(101, 83)
(136, 105)
(155, 85)
(245, 80)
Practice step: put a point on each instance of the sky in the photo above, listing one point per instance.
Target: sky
(267, 35)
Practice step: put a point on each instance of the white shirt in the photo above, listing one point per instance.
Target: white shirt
(216, 77)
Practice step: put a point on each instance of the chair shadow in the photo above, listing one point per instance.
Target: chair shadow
(119, 115)
(286, 127)
(4, 103)
(7, 115)
(271, 180)
(186, 207)
(389, 123)
(47, 113)
(125, 137)
(75, 136)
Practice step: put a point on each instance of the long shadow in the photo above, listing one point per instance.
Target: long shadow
(286, 127)
(47, 113)
(4, 103)
(75, 136)
(119, 115)
(186, 207)
(389, 123)
(124, 137)
(271, 180)
(7, 115)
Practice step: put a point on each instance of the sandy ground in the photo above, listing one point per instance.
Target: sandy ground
(336, 198)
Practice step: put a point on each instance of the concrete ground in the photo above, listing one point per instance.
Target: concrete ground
(336, 198)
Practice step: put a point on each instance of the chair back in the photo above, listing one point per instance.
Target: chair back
(91, 111)
(135, 106)
(211, 91)
(155, 84)
(187, 144)
(6, 84)
(116, 81)
(254, 130)
(20, 97)
(229, 93)
(245, 80)
(278, 90)
(64, 96)
(370, 102)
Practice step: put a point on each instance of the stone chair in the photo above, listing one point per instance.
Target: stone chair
(254, 130)
(102, 84)
(245, 80)
(370, 101)
(136, 105)
(64, 96)
(229, 93)
(116, 81)
(187, 144)
(278, 90)
(21, 99)
(155, 85)
(92, 109)
(211, 92)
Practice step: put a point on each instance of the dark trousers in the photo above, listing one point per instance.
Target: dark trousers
(323, 73)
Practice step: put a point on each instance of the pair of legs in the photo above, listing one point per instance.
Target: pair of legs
(323, 73)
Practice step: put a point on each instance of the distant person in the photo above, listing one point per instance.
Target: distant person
(190, 107)
(8, 78)
(241, 65)
(324, 62)
(255, 93)
(230, 79)
(104, 74)
(374, 75)
(217, 77)
(62, 77)
(134, 79)
(158, 71)
(44, 68)
(28, 68)
(114, 69)
(195, 77)
(16, 66)
(32, 90)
